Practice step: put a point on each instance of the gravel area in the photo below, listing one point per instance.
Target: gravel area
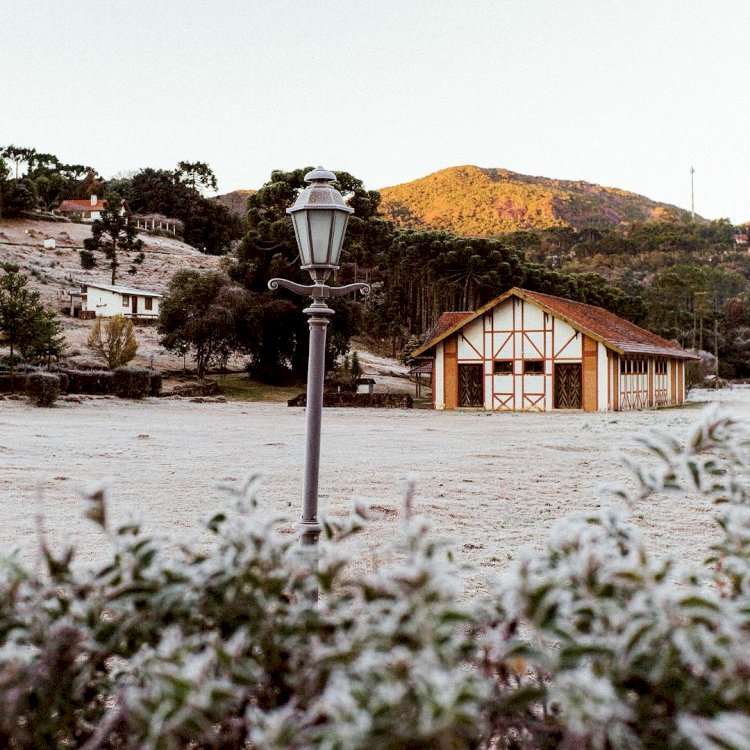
(493, 483)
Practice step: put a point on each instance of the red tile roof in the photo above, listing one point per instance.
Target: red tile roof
(79, 206)
(445, 322)
(611, 330)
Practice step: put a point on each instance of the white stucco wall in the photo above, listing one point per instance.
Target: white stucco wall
(602, 372)
(106, 304)
(438, 369)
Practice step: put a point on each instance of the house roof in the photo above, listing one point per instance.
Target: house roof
(78, 206)
(447, 321)
(614, 332)
(121, 289)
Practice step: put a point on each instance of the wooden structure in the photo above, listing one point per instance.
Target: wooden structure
(158, 222)
(95, 300)
(526, 351)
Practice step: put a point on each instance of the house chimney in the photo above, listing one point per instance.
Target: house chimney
(93, 200)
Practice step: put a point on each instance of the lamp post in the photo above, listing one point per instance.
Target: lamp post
(319, 216)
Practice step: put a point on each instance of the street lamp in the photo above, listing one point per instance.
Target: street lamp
(319, 216)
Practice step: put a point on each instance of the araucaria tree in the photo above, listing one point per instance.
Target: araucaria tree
(113, 340)
(115, 233)
(207, 314)
(23, 318)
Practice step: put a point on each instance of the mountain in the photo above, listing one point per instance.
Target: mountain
(473, 201)
(236, 201)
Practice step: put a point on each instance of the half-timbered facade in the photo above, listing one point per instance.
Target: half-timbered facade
(526, 351)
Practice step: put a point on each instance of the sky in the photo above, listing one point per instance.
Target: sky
(627, 94)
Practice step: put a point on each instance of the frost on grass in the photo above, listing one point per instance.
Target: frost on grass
(594, 643)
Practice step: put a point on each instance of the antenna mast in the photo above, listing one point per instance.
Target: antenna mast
(692, 193)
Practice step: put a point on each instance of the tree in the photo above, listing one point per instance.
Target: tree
(115, 233)
(209, 226)
(208, 315)
(113, 339)
(196, 175)
(48, 340)
(20, 312)
(19, 155)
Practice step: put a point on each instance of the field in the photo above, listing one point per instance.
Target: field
(493, 483)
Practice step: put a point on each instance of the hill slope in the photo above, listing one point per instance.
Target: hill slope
(236, 201)
(473, 201)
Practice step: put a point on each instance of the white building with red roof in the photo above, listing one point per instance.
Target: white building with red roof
(89, 209)
(527, 351)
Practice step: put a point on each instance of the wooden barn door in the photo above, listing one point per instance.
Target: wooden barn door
(470, 385)
(568, 386)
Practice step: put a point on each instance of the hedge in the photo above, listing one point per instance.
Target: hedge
(90, 382)
(372, 400)
(132, 382)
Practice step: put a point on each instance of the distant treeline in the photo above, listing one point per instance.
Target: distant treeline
(687, 281)
(30, 181)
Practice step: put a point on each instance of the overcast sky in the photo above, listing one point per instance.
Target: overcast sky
(628, 94)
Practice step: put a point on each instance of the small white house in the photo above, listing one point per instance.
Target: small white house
(95, 300)
(85, 210)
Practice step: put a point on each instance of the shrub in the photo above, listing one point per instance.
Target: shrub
(113, 339)
(132, 382)
(155, 385)
(90, 382)
(372, 400)
(590, 643)
(16, 384)
(43, 388)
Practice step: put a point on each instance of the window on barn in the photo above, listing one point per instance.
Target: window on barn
(503, 367)
(533, 367)
(125, 300)
(149, 303)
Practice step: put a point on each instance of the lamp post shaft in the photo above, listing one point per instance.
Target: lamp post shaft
(318, 313)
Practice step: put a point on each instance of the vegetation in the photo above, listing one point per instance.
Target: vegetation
(239, 387)
(470, 201)
(27, 327)
(590, 643)
(43, 387)
(207, 315)
(131, 382)
(30, 180)
(113, 339)
(115, 234)
(42, 182)
(208, 225)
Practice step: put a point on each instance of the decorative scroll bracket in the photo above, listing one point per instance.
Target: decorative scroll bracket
(319, 291)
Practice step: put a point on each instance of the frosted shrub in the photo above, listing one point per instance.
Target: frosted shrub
(594, 643)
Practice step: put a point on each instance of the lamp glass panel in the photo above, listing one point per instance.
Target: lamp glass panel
(320, 232)
(339, 229)
(299, 219)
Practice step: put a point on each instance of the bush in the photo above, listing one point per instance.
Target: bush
(17, 384)
(590, 643)
(113, 339)
(372, 400)
(90, 382)
(155, 385)
(43, 388)
(132, 382)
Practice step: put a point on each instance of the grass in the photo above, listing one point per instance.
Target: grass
(238, 387)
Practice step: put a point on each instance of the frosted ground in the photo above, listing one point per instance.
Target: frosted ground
(493, 482)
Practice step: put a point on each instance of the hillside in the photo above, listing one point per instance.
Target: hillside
(236, 201)
(55, 272)
(473, 201)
